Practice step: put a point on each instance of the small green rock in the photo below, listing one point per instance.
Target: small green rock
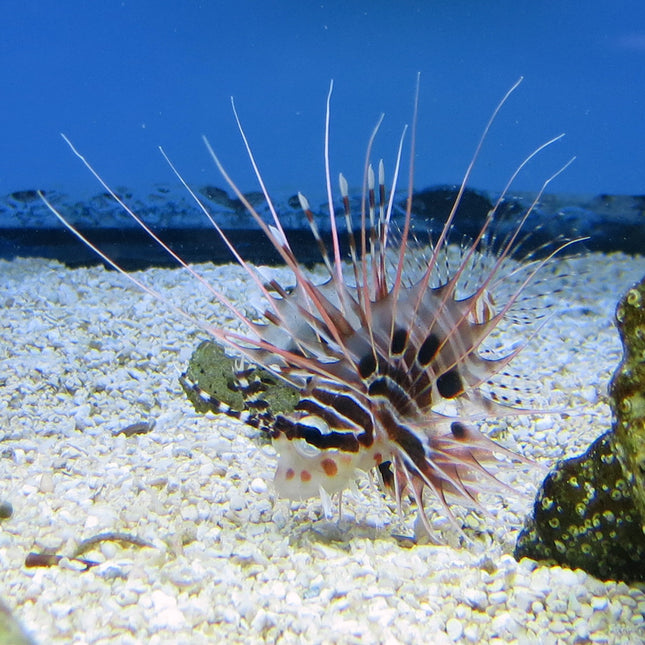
(214, 372)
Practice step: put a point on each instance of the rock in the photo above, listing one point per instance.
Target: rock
(214, 372)
(590, 511)
(11, 632)
(6, 510)
(627, 392)
(584, 517)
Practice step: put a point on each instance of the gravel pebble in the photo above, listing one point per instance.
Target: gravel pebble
(454, 629)
(6, 510)
(259, 486)
(599, 603)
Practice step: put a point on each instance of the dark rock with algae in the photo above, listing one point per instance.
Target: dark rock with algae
(627, 392)
(590, 511)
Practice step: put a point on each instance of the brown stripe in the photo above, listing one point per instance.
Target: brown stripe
(345, 441)
(328, 416)
(406, 439)
(345, 405)
(393, 392)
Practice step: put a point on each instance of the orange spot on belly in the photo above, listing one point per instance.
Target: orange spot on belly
(329, 466)
(289, 474)
(305, 475)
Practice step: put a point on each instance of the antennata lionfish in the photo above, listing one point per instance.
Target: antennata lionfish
(397, 354)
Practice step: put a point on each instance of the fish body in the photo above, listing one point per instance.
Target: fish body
(397, 355)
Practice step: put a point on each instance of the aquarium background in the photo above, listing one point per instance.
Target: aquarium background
(122, 78)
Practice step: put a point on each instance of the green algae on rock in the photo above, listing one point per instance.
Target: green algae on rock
(585, 517)
(590, 511)
(11, 631)
(627, 391)
(214, 372)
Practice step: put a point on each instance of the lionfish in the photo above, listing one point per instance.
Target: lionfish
(393, 356)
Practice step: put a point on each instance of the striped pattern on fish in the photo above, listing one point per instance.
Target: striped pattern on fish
(396, 355)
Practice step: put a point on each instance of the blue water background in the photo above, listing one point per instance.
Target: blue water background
(121, 78)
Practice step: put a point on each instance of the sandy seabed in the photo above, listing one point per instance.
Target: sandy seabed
(84, 355)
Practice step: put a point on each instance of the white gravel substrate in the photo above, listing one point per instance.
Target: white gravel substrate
(84, 354)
